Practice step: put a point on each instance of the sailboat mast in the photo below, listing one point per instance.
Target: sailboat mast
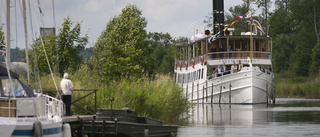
(8, 47)
(26, 37)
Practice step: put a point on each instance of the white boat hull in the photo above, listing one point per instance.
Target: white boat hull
(249, 86)
(24, 127)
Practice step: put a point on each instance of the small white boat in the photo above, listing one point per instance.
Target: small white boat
(23, 112)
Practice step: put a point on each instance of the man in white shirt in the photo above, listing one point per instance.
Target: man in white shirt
(67, 88)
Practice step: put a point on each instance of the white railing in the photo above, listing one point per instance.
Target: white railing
(54, 107)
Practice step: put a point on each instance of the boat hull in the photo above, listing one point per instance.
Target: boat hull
(24, 127)
(248, 86)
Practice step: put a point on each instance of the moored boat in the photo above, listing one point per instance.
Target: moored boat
(199, 68)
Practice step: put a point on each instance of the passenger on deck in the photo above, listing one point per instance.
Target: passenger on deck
(224, 69)
(262, 69)
(240, 66)
(219, 71)
(234, 68)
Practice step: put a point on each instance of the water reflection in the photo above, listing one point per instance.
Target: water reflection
(288, 117)
(224, 115)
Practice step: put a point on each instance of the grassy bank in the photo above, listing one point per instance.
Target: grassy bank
(160, 98)
(298, 87)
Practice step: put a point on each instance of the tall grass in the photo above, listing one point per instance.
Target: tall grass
(298, 87)
(160, 98)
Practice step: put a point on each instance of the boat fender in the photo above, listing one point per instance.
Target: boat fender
(186, 65)
(66, 130)
(37, 129)
(180, 65)
(201, 60)
(175, 65)
(192, 63)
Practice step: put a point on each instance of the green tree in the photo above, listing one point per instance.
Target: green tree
(122, 50)
(315, 65)
(279, 23)
(70, 44)
(163, 52)
(64, 47)
(2, 43)
(241, 25)
(264, 5)
(281, 53)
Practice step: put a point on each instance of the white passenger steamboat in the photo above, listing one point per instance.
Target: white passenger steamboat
(197, 66)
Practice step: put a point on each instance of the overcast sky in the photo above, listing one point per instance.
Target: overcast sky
(177, 17)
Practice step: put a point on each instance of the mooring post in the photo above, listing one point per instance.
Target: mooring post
(192, 92)
(202, 93)
(92, 128)
(212, 94)
(206, 91)
(198, 92)
(267, 92)
(115, 126)
(220, 94)
(230, 95)
(187, 91)
(103, 128)
(81, 128)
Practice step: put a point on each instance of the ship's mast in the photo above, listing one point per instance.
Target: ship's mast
(251, 40)
(8, 47)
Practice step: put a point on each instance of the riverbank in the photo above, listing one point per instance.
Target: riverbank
(298, 87)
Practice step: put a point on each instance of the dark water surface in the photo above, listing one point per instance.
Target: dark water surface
(288, 117)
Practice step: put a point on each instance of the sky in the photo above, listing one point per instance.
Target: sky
(177, 17)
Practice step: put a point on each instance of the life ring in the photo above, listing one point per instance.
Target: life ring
(180, 65)
(192, 63)
(201, 60)
(186, 65)
(175, 65)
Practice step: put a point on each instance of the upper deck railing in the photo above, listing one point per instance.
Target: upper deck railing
(225, 55)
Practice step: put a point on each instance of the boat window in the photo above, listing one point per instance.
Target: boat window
(257, 47)
(223, 44)
(244, 45)
(17, 88)
(237, 44)
(202, 73)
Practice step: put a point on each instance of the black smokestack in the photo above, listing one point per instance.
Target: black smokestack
(218, 15)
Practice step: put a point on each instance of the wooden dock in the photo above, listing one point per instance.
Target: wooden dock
(103, 125)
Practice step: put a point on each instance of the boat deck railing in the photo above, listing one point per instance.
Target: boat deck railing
(224, 55)
(42, 105)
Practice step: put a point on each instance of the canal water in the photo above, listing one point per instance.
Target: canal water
(288, 117)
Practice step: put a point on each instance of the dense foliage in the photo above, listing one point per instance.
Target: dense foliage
(62, 50)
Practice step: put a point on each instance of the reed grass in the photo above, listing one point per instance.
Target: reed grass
(298, 87)
(160, 98)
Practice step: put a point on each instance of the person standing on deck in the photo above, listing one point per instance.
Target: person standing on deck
(240, 66)
(67, 88)
(234, 68)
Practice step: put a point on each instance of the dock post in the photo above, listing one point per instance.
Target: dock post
(103, 128)
(230, 95)
(192, 92)
(202, 93)
(206, 91)
(198, 92)
(220, 94)
(212, 94)
(267, 92)
(115, 126)
(81, 128)
(92, 128)
(187, 91)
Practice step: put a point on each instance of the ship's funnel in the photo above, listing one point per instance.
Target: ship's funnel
(218, 15)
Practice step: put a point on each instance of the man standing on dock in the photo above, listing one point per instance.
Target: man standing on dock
(67, 88)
